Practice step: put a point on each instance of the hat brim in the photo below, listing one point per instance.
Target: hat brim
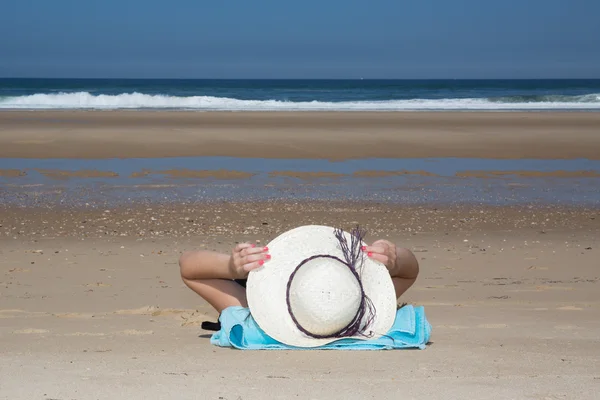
(266, 286)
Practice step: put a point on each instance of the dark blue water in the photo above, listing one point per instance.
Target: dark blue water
(301, 95)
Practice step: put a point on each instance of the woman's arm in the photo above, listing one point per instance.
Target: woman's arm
(205, 265)
(405, 271)
(210, 274)
(212, 265)
(400, 262)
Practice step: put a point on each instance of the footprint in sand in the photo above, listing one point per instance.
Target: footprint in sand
(30, 331)
(194, 318)
(169, 311)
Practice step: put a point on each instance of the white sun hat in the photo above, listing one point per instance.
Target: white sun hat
(319, 287)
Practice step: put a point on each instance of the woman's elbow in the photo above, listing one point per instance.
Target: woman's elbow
(186, 264)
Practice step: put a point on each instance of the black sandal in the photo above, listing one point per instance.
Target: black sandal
(211, 326)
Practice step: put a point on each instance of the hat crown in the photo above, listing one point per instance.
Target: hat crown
(292, 251)
(324, 296)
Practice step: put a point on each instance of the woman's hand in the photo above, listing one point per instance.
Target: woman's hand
(383, 251)
(245, 257)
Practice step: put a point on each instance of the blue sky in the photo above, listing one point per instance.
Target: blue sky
(300, 39)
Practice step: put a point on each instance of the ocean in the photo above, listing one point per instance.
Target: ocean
(301, 95)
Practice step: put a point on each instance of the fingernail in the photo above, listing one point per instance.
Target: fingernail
(369, 254)
(266, 248)
(363, 248)
(261, 262)
(268, 256)
(252, 245)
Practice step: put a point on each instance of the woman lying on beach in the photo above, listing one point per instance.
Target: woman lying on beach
(220, 279)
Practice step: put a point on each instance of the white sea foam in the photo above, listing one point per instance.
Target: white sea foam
(85, 100)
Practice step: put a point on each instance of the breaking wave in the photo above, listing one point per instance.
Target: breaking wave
(86, 100)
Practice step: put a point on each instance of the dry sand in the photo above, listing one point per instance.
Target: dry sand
(109, 134)
(92, 305)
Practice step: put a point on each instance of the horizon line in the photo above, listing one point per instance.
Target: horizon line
(295, 79)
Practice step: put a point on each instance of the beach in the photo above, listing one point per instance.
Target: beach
(310, 135)
(502, 210)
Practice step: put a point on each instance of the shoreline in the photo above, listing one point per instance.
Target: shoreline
(393, 181)
(298, 135)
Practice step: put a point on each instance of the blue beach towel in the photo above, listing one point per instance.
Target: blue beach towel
(239, 330)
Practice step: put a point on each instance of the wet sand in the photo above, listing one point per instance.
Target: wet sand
(528, 174)
(61, 174)
(141, 134)
(380, 174)
(198, 174)
(307, 175)
(12, 173)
